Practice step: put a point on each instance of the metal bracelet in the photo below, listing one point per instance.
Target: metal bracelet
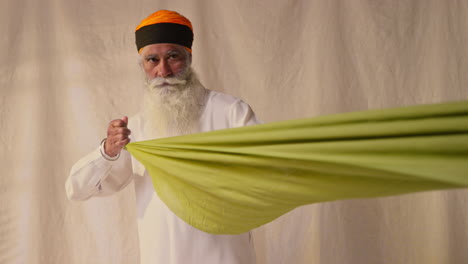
(103, 153)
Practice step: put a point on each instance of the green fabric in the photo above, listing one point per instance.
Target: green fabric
(230, 181)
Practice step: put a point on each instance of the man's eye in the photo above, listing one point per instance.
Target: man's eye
(152, 60)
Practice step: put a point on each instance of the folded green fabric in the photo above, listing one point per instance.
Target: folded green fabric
(230, 181)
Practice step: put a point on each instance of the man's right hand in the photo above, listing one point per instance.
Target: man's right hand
(117, 136)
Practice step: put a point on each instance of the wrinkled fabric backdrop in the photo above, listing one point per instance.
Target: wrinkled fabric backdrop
(69, 67)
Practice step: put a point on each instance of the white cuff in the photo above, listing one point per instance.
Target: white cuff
(103, 153)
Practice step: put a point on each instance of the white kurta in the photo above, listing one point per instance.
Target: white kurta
(165, 238)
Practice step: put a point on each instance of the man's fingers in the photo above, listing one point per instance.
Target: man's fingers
(121, 137)
(117, 136)
(114, 131)
(114, 145)
(123, 130)
(119, 123)
(123, 142)
(118, 130)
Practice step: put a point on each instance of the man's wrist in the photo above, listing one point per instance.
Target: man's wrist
(103, 152)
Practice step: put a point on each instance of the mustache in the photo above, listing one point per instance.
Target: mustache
(169, 81)
(179, 79)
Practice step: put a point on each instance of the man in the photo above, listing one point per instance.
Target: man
(175, 103)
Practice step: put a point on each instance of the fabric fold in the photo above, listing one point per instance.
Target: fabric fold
(231, 181)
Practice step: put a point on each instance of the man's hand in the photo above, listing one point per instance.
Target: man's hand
(117, 136)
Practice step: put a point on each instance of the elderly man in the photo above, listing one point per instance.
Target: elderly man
(175, 103)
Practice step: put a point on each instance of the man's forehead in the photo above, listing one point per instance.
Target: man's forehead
(161, 48)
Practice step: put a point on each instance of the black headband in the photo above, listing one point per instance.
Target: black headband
(164, 33)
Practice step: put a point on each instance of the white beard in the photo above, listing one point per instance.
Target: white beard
(172, 106)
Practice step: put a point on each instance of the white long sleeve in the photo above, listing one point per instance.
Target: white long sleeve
(93, 175)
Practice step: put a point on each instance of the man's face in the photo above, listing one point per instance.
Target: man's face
(164, 60)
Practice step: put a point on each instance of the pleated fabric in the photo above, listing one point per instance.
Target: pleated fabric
(231, 181)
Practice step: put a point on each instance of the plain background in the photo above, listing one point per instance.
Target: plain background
(68, 67)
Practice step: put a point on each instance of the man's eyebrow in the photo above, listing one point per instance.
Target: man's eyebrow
(174, 51)
(170, 52)
(151, 56)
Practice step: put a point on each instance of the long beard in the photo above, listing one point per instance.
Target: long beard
(172, 106)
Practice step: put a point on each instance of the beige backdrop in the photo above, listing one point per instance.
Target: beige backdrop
(68, 67)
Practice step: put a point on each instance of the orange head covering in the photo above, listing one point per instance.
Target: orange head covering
(164, 26)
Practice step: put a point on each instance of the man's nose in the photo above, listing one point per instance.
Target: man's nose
(164, 69)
